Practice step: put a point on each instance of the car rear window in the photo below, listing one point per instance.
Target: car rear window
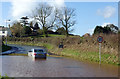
(38, 50)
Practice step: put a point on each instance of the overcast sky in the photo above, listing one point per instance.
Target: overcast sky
(88, 14)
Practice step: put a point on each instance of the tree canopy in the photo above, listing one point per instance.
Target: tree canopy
(108, 29)
(67, 18)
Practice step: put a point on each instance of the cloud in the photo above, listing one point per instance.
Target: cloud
(25, 7)
(104, 24)
(107, 12)
(22, 8)
(91, 31)
(57, 3)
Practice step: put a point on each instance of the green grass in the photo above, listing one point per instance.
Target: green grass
(49, 35)
(90, 56)
(55, 35)
(5, 48)
(18, 54)
(5, 77)
(48, 46)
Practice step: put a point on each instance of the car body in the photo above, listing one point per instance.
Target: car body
(38, 53)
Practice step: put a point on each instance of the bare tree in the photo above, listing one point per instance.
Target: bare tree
(67, 18)
(45, 17)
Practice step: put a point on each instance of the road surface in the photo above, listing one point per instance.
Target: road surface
(24, 66)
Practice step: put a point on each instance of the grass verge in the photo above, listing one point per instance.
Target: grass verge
(76, 54)
(5, 77)
(90, 56)
(5, 48)
(18, 54)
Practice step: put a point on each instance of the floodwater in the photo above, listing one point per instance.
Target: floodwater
(24, 66)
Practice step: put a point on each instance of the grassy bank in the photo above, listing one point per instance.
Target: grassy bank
(76, 53)
(5, 48)
(17, 54)
(5, 77)
(21, 54)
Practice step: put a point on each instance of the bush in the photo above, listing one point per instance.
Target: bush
(61, 31)
(27, 30)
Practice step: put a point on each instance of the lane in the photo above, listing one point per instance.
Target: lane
(24, 49)
(24, 66)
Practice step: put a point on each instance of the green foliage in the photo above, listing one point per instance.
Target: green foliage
(16, 29)
(0, 76)
(40, 31)
(113, 28)
(61, 31)
(99, 29)
(119, 32)
(108, 29)
(5, 48)
(36, 26)
(5, 77)
(27, 30)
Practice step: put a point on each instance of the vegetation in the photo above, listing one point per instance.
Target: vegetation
(24, 21)
(48, 18)
(67, 18)
(17, 29)
(27, 30)
(108, 29)
(18, 54)
(5, 77)
(5, 47)
(42, 14)
(61, 31)
(85, 48)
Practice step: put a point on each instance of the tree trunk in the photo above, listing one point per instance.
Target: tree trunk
(45, 32)
(67, 35)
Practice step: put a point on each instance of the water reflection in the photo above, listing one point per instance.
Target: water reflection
(23, 66)
(38, 59)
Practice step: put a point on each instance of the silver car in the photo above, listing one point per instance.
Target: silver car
(38, 53)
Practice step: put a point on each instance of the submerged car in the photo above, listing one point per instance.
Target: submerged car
(38, 53)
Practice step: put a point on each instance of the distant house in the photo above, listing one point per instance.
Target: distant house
(5, 31)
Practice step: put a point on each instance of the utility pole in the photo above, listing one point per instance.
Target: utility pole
(6, 30)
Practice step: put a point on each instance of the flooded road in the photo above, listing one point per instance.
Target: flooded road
(24, 66)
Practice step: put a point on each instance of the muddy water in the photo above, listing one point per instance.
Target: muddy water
(24, 49)
(23, 66)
